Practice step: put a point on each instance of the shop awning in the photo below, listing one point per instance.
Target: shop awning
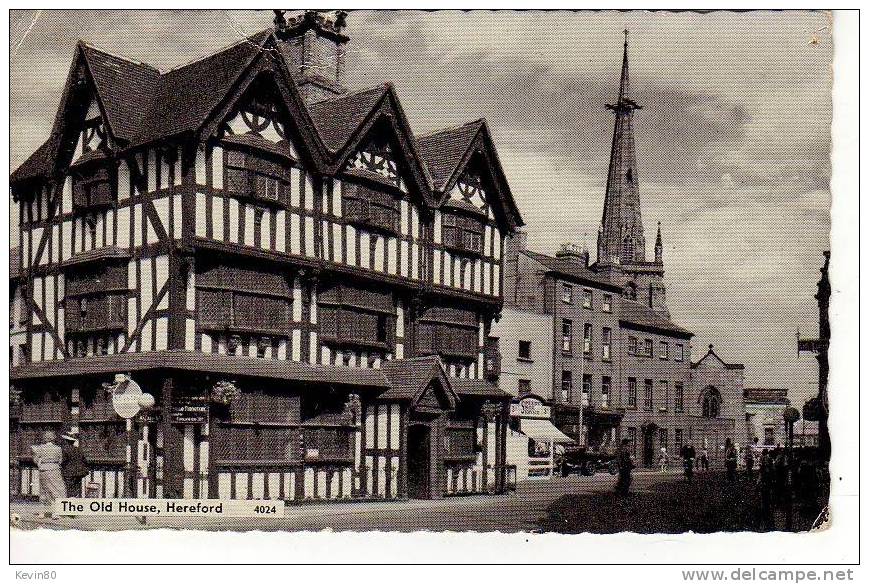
(543, 431)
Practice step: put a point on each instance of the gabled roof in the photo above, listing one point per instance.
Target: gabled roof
(637, 315)
(338, 118)
(711, 353)
(447, 153)
(409, 378)
(443, 150)
(572, 270)
(40, 163)
(186, 95)
(125, 89)
(143, 104)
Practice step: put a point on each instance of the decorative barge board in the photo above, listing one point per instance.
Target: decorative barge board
(305, 287)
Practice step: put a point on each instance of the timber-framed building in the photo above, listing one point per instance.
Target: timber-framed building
(305, 286)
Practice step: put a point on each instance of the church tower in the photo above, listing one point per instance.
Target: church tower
(621, 245)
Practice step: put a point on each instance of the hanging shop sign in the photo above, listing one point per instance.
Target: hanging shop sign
(530, 407)
(190, 409)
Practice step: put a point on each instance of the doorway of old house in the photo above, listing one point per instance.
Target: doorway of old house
(419, 461)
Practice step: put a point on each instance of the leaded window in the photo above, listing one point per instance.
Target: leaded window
(462, 232)
(370, 208)
(255, 176)
(245, 299)
(355, 315)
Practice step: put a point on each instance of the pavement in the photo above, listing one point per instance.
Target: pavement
(517, 511)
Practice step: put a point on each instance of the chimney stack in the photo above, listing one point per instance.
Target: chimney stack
(573, 253)
(314, 44)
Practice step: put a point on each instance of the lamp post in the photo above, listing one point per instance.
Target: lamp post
(128, 400)
(790, 415)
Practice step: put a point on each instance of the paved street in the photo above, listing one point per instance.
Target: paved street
(519, 511)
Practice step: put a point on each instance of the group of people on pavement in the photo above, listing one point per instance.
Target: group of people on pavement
(690, 461)
(785, 478)
(62, 467)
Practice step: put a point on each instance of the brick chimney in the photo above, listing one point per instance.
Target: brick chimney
(514, 244)
(314, 44)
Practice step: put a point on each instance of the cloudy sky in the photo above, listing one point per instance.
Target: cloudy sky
(732, 142)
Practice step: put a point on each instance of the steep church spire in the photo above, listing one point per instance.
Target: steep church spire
(659, 247)
(621, 238)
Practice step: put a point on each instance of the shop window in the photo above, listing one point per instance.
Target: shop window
(664, 438)
(632, 440)
(538, 449)
(251, 175)
(677, 440)
(106, 442)
(769, 436)
(327, 443)
(462, 233)
(370, 208)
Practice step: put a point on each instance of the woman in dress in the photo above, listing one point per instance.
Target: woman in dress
(48, 457)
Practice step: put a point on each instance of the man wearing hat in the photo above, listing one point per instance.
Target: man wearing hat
(74, 466)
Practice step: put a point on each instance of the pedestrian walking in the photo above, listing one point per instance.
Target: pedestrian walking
(688, 455)
(48, 457)
(664, 459)
(626, 465)
(730, 460)
(704, 458)
(74, 466)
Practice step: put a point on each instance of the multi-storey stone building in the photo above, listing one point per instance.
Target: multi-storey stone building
(621, 367)
(305, 286)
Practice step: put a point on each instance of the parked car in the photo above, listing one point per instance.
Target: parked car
(582, 460)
